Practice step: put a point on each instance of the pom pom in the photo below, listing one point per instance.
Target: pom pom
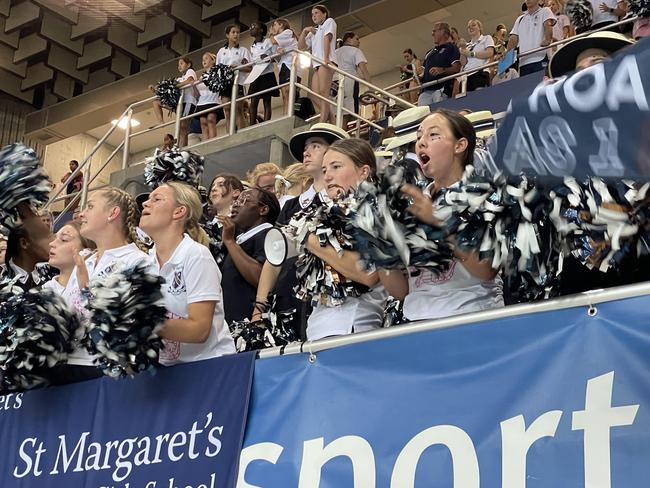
(219, 78)
(580, 12)
(273, 330)
(168, 93)
(37, 330)
(173, 165)
(393, 312)
(22, 180)
(387, 235)
(216, 246)
(640, 8)
(126, 310)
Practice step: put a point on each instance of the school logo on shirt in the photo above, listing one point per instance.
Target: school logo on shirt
(426, 277)
(107, 270)
(177, 286)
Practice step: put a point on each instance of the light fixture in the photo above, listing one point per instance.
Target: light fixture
(123, 121)
(304, 60)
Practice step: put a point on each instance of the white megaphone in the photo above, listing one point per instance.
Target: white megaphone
(277, 247)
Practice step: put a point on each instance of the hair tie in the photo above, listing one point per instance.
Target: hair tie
(281, 180)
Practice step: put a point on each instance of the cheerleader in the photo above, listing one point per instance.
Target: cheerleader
(321, 39)
(232, 54)
(345, 165)
(195, 328)
(261, 49)
(292, 183)
(285, 41)
(445, 145)
(208, 99)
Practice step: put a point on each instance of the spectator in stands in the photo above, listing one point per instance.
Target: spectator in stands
(3, 249)
(456, 39)
(500, 38)
(168, 142)
(409, 72)
(477, 53)
(285, 40)
(346, 164)
(224, 190)
(208, 100)
(243, 234)
(292, 183)
(441, 61)
(532, 29)
(232, 54)
(195, 328)
(263, 176)
(445, 146)
(321, 40)
(561, 28)
(606, 12)
(47, 218)
(308, 147)
(261, 49)
(75, 184)
(352, 60)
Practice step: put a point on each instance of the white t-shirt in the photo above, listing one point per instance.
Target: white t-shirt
(113, 260)
(481, 45)
(349, 57)
(600, 17)
(234, 56)
(188, 91)
(453, 292)
(206, 96)
(317, 41)
(191, 275)
(287, 41)
(530, 30)
(260, 51)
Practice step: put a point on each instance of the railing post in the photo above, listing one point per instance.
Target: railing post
(127, 139)
(232, 125)
(86, 183)
(292, 85)
(340, 95)
(177, 124)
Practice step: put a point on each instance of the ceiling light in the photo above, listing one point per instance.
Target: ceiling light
(123, 121)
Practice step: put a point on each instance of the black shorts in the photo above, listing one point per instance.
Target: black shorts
(285, 74)
(264, 82)
(218, 111)
(228, 92)
(480, 79)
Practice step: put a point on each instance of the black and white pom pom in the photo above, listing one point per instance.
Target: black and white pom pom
(217, 248)
(22, 180)
(580, 12)
(219, 78)
(393, 312)
(127, 310)
(173, 165)
(387, 235)
(37, 329)
(273, 330)
(168, 93)
(640, 8)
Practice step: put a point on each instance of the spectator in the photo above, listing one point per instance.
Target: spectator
(292, 183)
(261, 49)
(47, 218)
(321, 39)
(352, 60)
(500, 38)
(411, 71)
(441, 61)
(224, 190)
(3, 249)
(232, 54)
(445, 146)
(208, 100)
(606, 12)
(263, 176)
(477, 53)
(74, 185)
(285, 40)
(168, 142)
(532, 29)
(456, 39)
(243, 233)
(562, 28)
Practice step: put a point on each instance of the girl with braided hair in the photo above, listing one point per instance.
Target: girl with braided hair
(195, 328)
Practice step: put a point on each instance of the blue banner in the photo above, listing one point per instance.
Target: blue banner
(555, 399)
(180, 428)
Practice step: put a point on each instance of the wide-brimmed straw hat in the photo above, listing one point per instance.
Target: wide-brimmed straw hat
(483, 122)
(564, 60)
(406, 124)
(329, 132)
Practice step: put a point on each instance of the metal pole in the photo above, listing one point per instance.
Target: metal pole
(292, 85)
(86, 183)
(177, 124)
(340, 95)
(232, 126)
(127, 139)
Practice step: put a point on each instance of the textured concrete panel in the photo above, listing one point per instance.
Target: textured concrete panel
(158, 56)
(155, 28)
(121, 64)
(99, 78)
(20, 15)
(11, 39)
(30, 46)
(69, 13)
(140, 5)
(58, 30)
(217, 6)
(189, 14)
(63, 85)
(36, 74)
(11, 84)
(94, 52)
(181, 42)
(5, 7)
(63, 60)
(6, 62)
(124, 12)
(88, 23)
(126, 39)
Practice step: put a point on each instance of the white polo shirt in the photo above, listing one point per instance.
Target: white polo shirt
(480, 45)
(206, 96)
(188, 91)
(112, 260)
(287, 41)
(234, 56)
(600, 17)
(317, 41)
(530, 30)
(191, 275)
(260, 51)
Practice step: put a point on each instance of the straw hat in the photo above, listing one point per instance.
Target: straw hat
(406, 124)
(483, 122)
(564, 60)
(329, 132)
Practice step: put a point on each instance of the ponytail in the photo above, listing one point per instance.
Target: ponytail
(188, 197)
(196, 232)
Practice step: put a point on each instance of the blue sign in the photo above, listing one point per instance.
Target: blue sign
(592, 123)
(180, 428)
(555, 399)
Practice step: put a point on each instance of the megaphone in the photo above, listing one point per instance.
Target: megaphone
(277, 247)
